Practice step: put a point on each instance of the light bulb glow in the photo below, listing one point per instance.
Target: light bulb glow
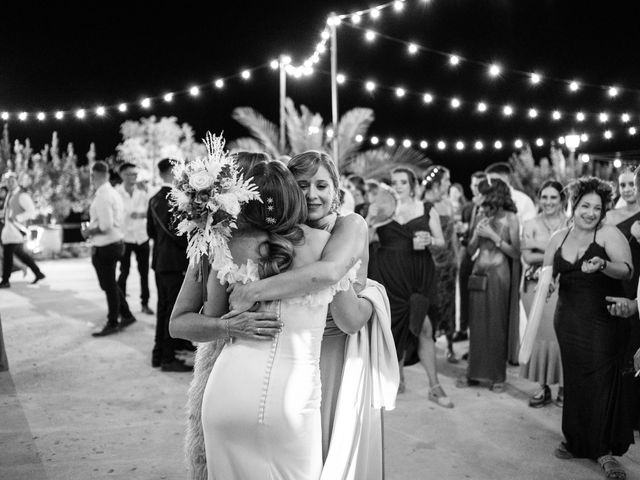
(603, 117)
(59, 115)
(246, 74)
(455, 103)
(340, 78)
(497, 145)
(617, 163)
(5, 116)
(400, 92)
(482, 107)
(539, 142)
(556, 115)
(22, 116)
(374, 140)
(454, 60)
(122, 107)
(146, 103)
(608, 134)
(168, 97)
(535, 78)
(219, 83)
(413, 48)
(424, 144)
(561, 140)
(355, 19)
(584, 137)
(390, 142)
(41, 116)
(427, 98)
(459, 145)
(100, 111)
(375, 13)
(330, 132)
(580, 117)
(632, 130)
(574, 86)
(274, 64)
(286, 59)
(584, 157)
(518, 143)
(325, 35)
(613, 92)
(478, 145)
(370, 86)
(572, 141)
(533, 113)
(370, 36)
(406, 143)
(507, 110)
(359, 138)
(398, 5)
(494, 70)
(81, 113)
(441, 145)
(625, 117)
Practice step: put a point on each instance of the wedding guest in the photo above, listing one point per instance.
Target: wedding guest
(493, 286)
(524, 203)
(591, 259)
(169, 262)
(135, 201)
(104, 231)
(17, 264)
(469, 217)
(544, 365)
(18, 209)
(356, 185)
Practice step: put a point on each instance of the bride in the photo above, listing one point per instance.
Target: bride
(261, 404)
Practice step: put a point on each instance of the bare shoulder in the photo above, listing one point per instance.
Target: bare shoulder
(608, 231)
(351, 224)
(314, 241)
(558, 236)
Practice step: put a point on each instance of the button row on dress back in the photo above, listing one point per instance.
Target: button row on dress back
(267, 374)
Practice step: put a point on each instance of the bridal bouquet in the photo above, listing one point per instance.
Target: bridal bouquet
(206, 199)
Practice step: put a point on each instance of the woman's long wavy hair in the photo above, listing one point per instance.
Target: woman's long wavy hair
(585, 185)
(306, 164)
(280, 213)
(496, 194)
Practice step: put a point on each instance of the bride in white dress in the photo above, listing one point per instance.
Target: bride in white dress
(261, 405)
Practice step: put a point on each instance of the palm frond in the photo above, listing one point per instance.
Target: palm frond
(265, 131)
(246, 144)
(378, 162)
(354, 122)
(304, 131)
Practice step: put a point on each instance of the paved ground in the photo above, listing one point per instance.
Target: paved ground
(76, 407)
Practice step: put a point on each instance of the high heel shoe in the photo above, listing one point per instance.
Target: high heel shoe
(451, 357)
(440, 399)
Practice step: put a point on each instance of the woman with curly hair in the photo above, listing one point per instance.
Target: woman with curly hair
(493, 285)
(592, 259)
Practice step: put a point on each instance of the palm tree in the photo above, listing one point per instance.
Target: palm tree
(305, 130)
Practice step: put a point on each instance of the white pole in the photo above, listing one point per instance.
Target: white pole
(283, 96)
(334, 88)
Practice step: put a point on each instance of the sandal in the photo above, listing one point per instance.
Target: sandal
(562, 452)
(612, 468)
(439, 398)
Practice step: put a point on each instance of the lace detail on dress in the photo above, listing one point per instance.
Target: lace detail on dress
(325, 295)
(247, 272)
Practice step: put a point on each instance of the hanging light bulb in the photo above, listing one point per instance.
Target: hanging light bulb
(370, 36)
(625, 117)
(406, 143)
(580, 117)
(603, 117)
(556, 115)
(539, 142)
(246, 74)
(375, 14)
(81, 113)
(400, 92)
(41, 116)
(122, 107)
(459, 145)
(413, 48)
(517, 143)
(507, 110)
(533, 113)
(168, 97)
(494, 70)
(455, 103)
(59, 115)
(5, 116)
(359, 138)
(535, 78)
(274, 64)
(22, 116)
(100, 111)
(584, 137)
(613, 92)
(617, 163)
(374, 140)
(398, 5)
(427, 98)
(441, 145)
(194, 91)
(390, 142)
(340, 78)
(497, 145)
(355, 19)
(145, 103)
(584, 157)
(370, 86)
(424, 144)
(574, 86)
(454, 60)
(219, 83)
(608, 134)
(632, 130)
(478, 145)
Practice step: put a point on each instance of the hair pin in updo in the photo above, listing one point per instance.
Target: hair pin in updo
(270, 209)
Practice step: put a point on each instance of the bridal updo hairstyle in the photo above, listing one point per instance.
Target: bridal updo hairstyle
(585, 185)
(433, 176)
(280, 213)
(306, 164)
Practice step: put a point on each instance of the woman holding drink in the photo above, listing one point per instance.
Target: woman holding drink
(404, 265)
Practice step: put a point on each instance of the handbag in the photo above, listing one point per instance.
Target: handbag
(477, 283)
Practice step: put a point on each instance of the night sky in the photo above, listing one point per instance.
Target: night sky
(55, 56)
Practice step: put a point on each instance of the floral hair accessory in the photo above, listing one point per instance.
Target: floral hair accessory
(269, 218)
(206, 199)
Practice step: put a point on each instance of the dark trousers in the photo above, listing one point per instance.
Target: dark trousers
(168, 285)
(142, 259)
(17, 249)
(466, 266)
(104, 260)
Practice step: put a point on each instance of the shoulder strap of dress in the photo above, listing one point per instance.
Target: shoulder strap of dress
(565, 237)
(427, 208)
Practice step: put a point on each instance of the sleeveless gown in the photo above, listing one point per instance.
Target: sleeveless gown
(261, 405)
(443, 311)
(408, 275)
(595, 419)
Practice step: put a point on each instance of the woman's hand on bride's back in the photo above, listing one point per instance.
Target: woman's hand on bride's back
(254, 325)
(239, 299)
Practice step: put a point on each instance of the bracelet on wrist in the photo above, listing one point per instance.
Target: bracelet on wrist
(603, 265)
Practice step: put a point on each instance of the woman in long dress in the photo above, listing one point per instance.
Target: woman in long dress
(404, 265)
(591, 259)
(544, 365)
(442, 312)
(255, 424)
(317, 177)
(495, 244)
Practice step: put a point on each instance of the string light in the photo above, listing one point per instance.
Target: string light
(355, 18)
(375, 14)
(406, 143)
(617, 163)
(454, 60)
(340, 78)
(80, 113)
(5, 116)
(608, 134)
(370, 36)
(584, 157)
(632, 130)
(455, 103)
(275, 64)
(122, 107)
(574, 86)
(533, 113)
(478, 145)
(494, 70)
(219, 83)
(413, 48)
(359, 138)
(603, 117)
(374, 140)
(100, 111)
(41, 116)
(59, 115)
(580, 117)
(246, 74)
(424, 144)
(398, 5)
(168, 97)
(459, 145)
(517, 143)
(441, 145)
(427, 98)
(390, 142)
(556, 115)
(482, 107)
(194, 91)
(145, 103)
(535, 78)
(613, 91)
(625, 118)
(370, 86)
(400, 92)
(22, 116)
(497, 144)
(507, 110)
(539, 142)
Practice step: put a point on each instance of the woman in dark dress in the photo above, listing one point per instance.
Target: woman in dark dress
(403, 264)
(591, 259)
(493, 288)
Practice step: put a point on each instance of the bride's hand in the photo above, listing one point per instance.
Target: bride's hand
(239, 300)
(254, 325)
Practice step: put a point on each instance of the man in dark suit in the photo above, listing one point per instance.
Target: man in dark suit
(169, 262)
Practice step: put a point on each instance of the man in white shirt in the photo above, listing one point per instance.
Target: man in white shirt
(18, 209)
(136, 202)
(524, 204)
(105, 234)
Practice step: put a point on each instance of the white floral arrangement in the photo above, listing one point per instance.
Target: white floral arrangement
(206, 200)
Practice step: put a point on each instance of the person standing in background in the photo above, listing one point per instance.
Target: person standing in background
(105, 233)
(136, 240)
(169, 262)
(18, 209)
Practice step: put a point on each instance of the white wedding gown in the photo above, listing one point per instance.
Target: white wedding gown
(261, 405)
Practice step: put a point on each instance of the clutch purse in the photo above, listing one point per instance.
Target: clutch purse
(477, 283)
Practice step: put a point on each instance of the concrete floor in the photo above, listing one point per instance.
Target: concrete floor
(77, 407)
